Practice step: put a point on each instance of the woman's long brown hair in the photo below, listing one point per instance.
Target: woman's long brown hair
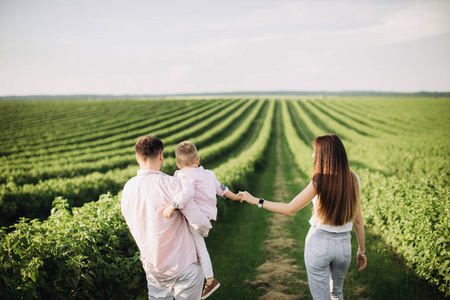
(336, 186)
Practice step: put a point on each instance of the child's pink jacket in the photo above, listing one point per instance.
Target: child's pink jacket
(206, 188)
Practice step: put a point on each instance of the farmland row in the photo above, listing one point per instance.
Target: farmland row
(89, 251)
(367, 120)
(417, 226)
(172, 123)
(390, 148)
(34, 200)
(92, 128)
(112, 157)
(75, 118)
(392, 153)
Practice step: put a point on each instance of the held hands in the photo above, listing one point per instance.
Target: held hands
(361, 260)
(246, 196)
(168, 211)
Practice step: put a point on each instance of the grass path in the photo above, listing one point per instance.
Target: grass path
(280, 275)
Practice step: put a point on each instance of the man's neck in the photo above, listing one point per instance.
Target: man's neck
(152, 167)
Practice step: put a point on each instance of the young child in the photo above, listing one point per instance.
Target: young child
(206, 188)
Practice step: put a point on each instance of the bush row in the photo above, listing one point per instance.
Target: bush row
(34, 200)
(88, 252)
(414, 219)
(412, 216)
(82, 253)
(162, 123)
(99, 161)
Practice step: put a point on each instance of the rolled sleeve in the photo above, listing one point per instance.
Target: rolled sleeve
(221, 189)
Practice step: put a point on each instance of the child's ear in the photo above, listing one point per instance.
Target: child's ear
(198, 161)
(178, 165)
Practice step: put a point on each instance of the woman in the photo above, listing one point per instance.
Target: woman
(335, 192)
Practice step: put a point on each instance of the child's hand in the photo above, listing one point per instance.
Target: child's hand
(246, 196)
(168, 211)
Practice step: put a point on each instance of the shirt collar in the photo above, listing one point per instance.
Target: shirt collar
(141, 172)
(192, 170)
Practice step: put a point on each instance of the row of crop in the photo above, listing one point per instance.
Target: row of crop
(173, 123)
(224, 146)
(37, 112)
(35, 200)
(89, 252)
(301, 151)
(81, 253)
(371, 110)
(81, 115)
(415, 151)
(107, 145)
(360, 122)
(57, 132)
(109, 159)
(339, 127)
(229, 120)
(413, 218)
(365, 120)
(303, 131)
(93, 128)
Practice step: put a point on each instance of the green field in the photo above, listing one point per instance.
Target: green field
(64, 164)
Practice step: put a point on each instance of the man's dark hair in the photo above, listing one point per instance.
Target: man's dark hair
(149, 147)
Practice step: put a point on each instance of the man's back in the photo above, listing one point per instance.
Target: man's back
(166, 245)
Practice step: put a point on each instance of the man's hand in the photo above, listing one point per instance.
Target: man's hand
(168, 211)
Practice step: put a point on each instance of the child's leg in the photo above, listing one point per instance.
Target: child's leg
(202, 253)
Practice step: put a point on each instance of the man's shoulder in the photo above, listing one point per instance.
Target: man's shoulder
(131, 180)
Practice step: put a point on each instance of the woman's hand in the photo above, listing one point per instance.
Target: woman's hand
(361, 260)
(246, 196)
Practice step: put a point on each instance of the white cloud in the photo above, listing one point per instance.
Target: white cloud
(416, 21)
(212, 46)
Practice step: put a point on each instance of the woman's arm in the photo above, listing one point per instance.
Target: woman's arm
(361, 258)
(300, 201)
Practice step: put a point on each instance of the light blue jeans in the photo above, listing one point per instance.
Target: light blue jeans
(327, 258)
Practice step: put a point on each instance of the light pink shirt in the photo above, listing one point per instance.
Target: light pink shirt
(166, 245)
(206, 188)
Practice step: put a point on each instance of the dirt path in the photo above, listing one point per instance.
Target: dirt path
(280, 273)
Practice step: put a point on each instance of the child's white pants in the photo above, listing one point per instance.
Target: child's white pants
(202, 253)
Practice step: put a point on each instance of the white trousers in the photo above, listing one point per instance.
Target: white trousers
(327, 258)
(187, 286)
(202, 253)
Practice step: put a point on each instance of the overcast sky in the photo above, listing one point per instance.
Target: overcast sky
(168, 47)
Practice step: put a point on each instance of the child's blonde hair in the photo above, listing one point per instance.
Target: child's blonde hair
(186, 154)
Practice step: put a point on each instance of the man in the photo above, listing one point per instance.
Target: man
(167, 248)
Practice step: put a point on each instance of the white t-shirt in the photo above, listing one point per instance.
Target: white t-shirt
(314, 221)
